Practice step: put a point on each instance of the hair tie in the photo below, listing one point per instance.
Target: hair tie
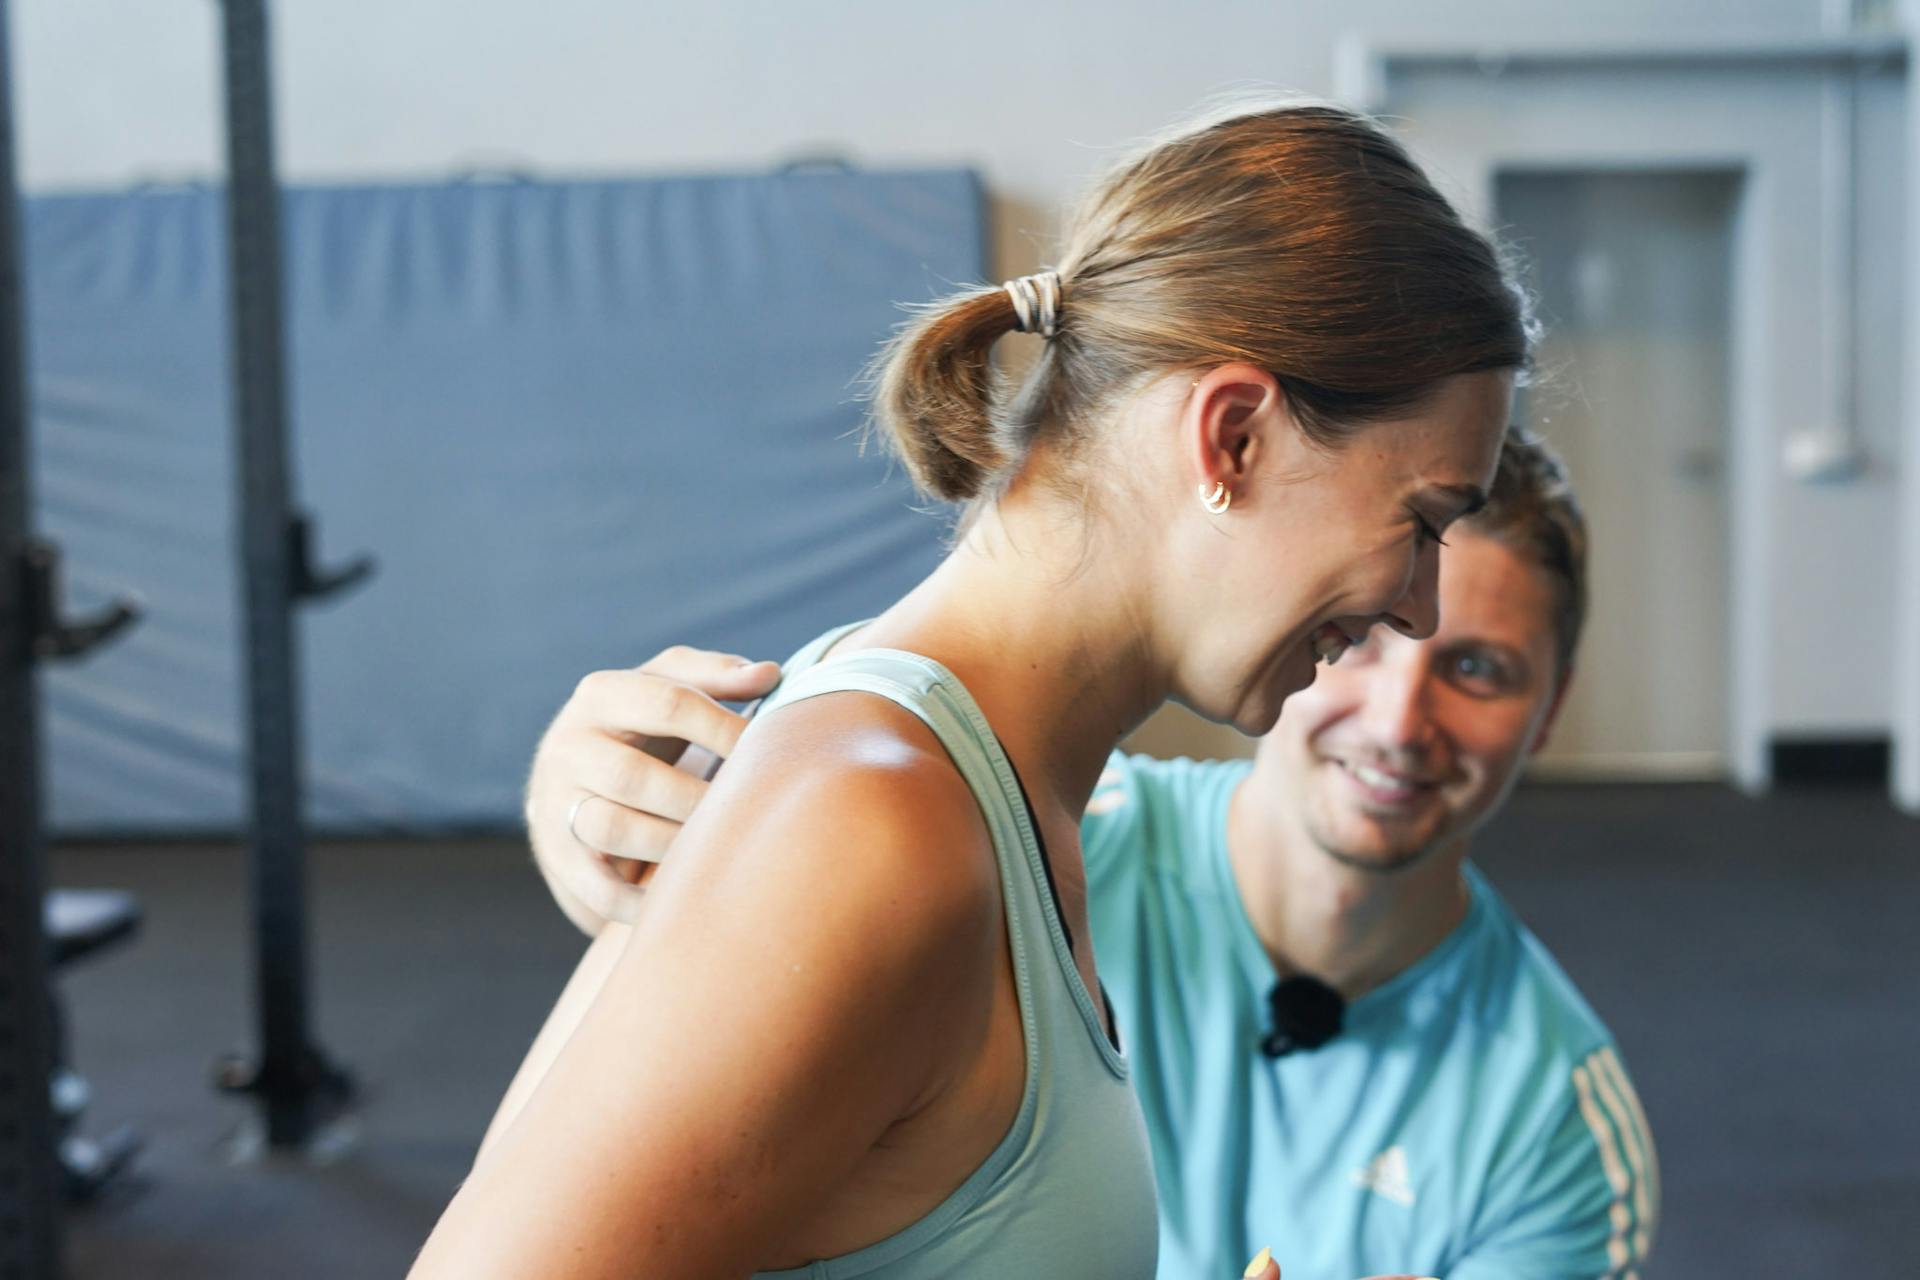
(1036, 303)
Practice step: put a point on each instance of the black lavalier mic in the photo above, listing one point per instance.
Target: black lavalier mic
(1306, 1014)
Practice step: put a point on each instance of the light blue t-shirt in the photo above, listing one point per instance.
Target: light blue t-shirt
(1472, 1121)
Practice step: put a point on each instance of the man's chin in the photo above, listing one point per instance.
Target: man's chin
(1379, 861)
(1378, 843)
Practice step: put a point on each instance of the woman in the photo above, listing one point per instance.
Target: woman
(1275, 367)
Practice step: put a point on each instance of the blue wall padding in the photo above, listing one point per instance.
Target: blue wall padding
(574, 422)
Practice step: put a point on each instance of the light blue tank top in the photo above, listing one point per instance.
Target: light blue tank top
(1068, 1192)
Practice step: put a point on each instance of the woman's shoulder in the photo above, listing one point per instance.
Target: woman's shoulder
(858, 788)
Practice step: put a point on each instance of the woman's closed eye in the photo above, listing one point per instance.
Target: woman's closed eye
(1424, 530)
(1457, 501)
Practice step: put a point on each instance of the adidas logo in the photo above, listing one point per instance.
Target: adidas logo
(1386, 1175)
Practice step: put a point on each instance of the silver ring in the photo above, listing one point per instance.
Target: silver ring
(573, 813)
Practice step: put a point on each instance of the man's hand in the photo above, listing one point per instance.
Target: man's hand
(621, 767)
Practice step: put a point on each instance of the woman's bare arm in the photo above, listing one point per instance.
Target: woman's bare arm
(826, 930)
(591, 974)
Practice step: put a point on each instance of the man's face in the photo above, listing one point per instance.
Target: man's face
(1406, 745)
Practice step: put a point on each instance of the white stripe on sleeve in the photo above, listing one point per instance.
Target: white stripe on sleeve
(1620, 1254)
(1611, 1062)
(1612, 1089)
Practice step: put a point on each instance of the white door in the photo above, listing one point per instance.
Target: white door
(1632, 274)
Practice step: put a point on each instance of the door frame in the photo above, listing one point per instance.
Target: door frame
(1529, 104)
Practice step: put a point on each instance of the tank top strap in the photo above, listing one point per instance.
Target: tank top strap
(810, 653)
(936, 697)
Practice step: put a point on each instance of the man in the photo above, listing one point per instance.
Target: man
(1344, 1043)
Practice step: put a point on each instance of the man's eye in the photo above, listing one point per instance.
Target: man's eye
(1482, 671)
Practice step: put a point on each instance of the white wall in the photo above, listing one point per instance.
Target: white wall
(1835, 542)
(1906, 701)
(1034, 94)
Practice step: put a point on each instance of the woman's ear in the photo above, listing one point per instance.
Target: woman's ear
(1232, 415)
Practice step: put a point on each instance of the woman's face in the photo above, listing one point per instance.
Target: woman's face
(1319, 544)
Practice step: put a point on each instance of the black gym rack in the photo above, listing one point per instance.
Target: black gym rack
(297, 1087)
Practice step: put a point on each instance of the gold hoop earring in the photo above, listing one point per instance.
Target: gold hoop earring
(1219, 500)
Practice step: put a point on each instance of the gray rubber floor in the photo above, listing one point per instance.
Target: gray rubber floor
(1758, 961)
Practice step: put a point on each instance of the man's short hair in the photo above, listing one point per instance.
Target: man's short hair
(1532, 509)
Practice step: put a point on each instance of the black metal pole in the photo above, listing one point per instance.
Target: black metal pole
(293, 1081)
(29, 1174)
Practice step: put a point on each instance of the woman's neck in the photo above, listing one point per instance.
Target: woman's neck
(1051, 641)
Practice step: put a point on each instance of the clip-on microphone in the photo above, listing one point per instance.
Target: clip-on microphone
(1306, 1014)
